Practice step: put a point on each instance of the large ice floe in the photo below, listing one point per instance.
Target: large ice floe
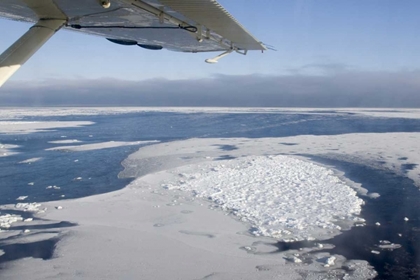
(25, 127)
(98, 146)
(279, 196)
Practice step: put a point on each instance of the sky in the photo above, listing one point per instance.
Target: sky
(329, 54)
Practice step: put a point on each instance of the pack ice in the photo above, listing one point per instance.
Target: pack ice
(280, 196)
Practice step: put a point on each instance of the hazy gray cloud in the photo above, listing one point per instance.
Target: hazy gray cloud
(320, 68)
(342, 88)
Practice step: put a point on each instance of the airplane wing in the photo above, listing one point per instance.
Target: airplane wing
(176, 25)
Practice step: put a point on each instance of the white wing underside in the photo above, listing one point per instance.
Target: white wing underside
(211, 27)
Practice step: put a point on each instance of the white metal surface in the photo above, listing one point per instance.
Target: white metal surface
(216, 59)
(18, 53)
(214, 17)
(219, 30)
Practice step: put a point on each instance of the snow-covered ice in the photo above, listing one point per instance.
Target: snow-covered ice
(69, 141)
(380, 150)
(374, 195)
(356, 270)
(279, 196)
(6, 220)
(293, 259)
(22, 197)
(31, 160)
(388, 245)
(7, 149)
(25, 127)
(328, 261)
(30, 207)
(97, 146)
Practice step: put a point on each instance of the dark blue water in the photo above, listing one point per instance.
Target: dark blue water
(99, 168)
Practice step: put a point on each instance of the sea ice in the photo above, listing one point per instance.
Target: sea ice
(25, 127)
(7, 219)
(23, 197)
(378, 150)
(390, 246)
(69, 141)
(294, 259)
(98, 146)
(327, 261)
(6, 149)
(279, 196)
(374, 195)
(30, 160)
(357, 270)
(30, 207)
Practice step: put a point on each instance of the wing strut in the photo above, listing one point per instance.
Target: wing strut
(18, 53)
(216, 59)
